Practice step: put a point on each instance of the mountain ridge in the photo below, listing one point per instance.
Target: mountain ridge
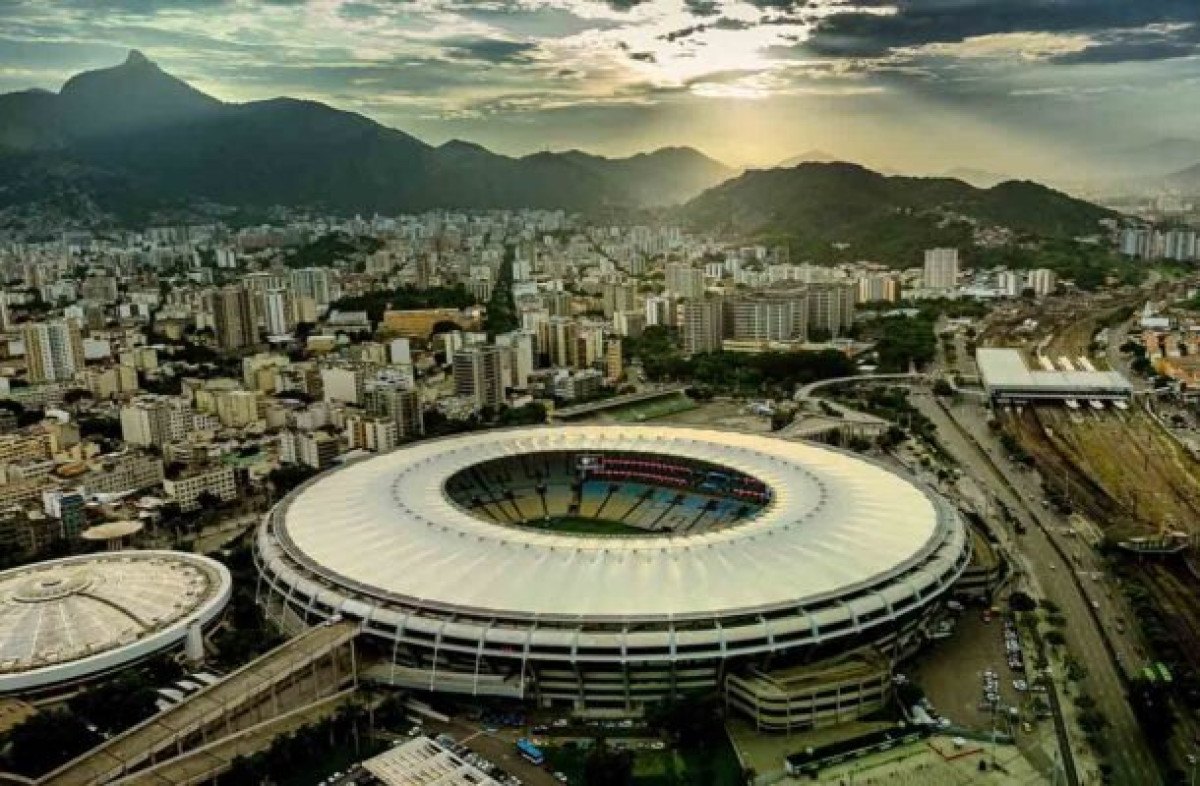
(820, 207)
(137, 124)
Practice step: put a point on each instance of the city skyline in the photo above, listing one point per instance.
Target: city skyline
(917, 86)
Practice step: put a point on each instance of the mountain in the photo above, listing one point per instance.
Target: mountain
(1186, 180)
(980, 178)
(889, 218)
(142, 137)
(808, 157)
(1162, 155)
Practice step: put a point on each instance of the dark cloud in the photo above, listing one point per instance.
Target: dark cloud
(702, 7)
(789, 5)
(1137, 46)
(918, 22)
(645, 57)
(726, 23)
(624, 5)
(490, 50)
(682, 33)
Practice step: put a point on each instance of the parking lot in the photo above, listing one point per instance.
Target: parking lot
(972, 672)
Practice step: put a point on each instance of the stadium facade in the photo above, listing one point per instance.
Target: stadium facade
(728, 552)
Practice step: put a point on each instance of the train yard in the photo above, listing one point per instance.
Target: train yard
(1121, 474)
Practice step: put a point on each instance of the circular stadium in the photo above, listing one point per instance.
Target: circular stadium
(72, 619)
(610, 565)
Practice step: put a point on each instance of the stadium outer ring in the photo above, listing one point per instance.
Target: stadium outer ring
(473, 648)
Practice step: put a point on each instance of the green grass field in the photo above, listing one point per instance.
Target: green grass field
(637, 413)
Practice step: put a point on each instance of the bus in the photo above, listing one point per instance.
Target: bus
(1163, 672)
(530, 752)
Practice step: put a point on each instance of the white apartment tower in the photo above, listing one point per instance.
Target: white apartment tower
(53, 351)
(941, 268)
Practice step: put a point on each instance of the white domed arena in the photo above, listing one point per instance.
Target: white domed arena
(70, 620)
(610, 566)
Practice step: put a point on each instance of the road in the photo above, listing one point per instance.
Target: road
(1127, 751)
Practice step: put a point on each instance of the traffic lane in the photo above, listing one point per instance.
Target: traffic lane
(1084, 639)
(1130, 759)
(1112, 604)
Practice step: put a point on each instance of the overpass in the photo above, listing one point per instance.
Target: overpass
(303, 671)
(592, 407)
(807, 390)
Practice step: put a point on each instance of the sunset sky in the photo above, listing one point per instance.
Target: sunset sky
(1016, 86)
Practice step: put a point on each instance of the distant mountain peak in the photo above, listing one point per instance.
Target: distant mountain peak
(814, 156)
(136, 58)
(462, 146)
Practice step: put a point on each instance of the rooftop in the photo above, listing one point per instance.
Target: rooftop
(84, 610)
(1006, 369)
(425, 762)
(835, 522)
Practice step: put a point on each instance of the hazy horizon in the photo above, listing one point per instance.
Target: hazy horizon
(1016, 87)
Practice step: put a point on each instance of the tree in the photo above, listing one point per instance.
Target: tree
(1021, 601)
(46, 740)
(943, 388)
(501, 309)
(607, 767)
(76, 395)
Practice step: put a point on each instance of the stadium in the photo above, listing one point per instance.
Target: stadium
(74, 619)
(611, 566)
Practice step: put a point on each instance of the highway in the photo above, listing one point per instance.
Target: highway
(980, 457)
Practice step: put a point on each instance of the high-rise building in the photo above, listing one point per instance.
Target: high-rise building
(154, 420)
(477, 375)
(518, 358)
(703, 325)
(391, 399)
(313, 282)
(53, 351)
(629, 323)
(562, 345)
(1008, 283)
(619, 297)
(941, 268)
(614, 360)
(831, 308)
(878, 287)
(233, 318)
(277, 312)
(779, 316)
(684, 281)
(660, 311)
(1042, 281)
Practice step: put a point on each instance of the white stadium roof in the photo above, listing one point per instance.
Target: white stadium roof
(386, 527)
(69, 619)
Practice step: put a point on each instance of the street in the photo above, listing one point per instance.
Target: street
(1128, 753)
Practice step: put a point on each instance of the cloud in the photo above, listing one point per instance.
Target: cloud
(878, 31)
(490, 50)
(1160, 43)
(702, 7)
